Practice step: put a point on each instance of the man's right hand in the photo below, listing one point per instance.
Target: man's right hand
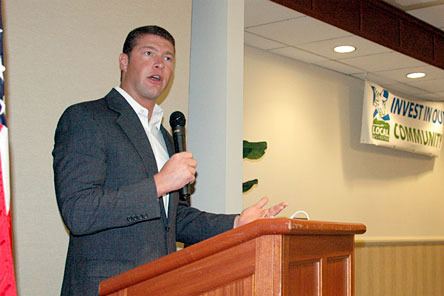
(178, 171)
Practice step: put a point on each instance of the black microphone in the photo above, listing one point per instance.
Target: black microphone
(177, 123)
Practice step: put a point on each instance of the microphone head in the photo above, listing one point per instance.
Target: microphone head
(177, 119)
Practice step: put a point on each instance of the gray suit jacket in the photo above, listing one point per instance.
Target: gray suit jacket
(103, 173)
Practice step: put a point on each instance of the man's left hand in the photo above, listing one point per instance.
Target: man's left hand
(257, 211)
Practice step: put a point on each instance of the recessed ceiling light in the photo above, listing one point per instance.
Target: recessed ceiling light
(344, 49)
(415, 75)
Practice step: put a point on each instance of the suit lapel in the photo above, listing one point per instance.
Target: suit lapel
(131, 126)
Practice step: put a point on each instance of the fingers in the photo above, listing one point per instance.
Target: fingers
(258, 211)
(178, 171)
(270, 212)
(185, 162)
(261, 203)
(185, 158)
(276, 209)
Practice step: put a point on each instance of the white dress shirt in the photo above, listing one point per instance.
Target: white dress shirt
(152, 130)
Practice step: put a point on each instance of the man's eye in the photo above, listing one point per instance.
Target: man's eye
(168, 59)
(148, 53)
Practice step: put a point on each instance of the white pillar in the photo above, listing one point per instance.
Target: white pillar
(215, 126)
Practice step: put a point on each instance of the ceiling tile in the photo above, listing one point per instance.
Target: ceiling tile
(405, 90)
(374, 78)
(433, 15)
(258, 12)
(436, 85)
(259, 42)
(400, 74)
(383, 61)
(325, 47)
(298, 31)
(409, 2)
(439, 96)
(338, 67)
(298, 54)
(432, 96)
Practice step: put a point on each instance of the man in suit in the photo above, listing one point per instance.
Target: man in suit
(116, 174)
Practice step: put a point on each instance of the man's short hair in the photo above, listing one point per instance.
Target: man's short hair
(135, 34)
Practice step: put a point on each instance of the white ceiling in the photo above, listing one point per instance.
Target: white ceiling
(286, 32)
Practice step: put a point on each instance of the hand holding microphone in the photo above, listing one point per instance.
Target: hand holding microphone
(180, 170)
(177, 172)
(177, 123)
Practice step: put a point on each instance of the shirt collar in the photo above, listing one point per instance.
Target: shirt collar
(156, 116)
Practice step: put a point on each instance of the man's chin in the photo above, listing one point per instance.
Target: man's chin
(151, 95)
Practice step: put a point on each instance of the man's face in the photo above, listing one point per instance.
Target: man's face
(148, 69)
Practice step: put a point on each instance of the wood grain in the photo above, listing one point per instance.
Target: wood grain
(266, 257)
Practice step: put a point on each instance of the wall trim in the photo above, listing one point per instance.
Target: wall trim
(390, 241)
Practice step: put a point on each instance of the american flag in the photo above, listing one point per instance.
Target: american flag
(7, 278)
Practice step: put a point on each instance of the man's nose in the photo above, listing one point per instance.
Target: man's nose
(159, 63)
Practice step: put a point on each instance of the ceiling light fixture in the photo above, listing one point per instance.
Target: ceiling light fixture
(344, 49)
(415, 75)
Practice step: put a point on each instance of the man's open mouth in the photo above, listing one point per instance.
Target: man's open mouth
(155, 77)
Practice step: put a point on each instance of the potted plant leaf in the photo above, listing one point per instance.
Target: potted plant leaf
(252, 150)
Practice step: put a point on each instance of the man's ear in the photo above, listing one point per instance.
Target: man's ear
(123, 62)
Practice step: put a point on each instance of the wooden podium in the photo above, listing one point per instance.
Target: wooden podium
(267, 257)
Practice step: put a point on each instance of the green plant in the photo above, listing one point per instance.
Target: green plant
(252, 150)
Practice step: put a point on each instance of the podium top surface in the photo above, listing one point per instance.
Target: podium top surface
(271, 226)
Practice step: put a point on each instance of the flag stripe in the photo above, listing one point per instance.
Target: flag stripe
(4, 154)
(7, 277)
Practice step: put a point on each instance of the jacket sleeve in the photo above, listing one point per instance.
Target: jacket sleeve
(194, 225)
(80, 163)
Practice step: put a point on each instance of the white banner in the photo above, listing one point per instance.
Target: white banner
(391, 121)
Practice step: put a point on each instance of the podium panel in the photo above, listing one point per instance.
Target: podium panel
(267, 257)
(319, 265)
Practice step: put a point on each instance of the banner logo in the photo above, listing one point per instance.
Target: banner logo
(381, 118)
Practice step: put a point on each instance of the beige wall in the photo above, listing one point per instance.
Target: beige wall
(58, 53)
(400, 268)
(311, 119)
